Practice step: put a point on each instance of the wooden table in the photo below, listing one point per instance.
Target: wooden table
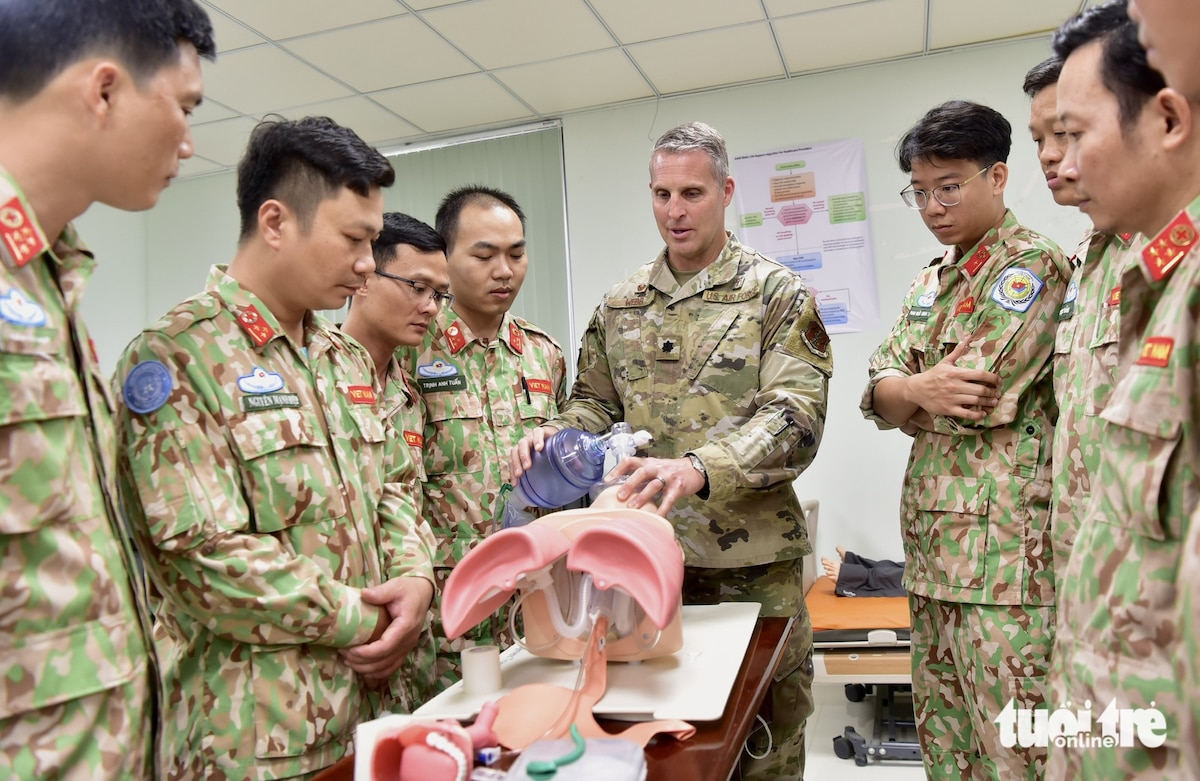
(712, 753)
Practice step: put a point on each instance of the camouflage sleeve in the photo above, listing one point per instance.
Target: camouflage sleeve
(781, 439)
(558, 376)
(1016, 345)
(407, 540)
(181, 490)
(893, 358)
(594, 404)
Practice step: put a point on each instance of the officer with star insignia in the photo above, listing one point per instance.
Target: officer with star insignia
(966, 372)
(1127, 629)
(94, 106)
(267, 491)
(486, 378)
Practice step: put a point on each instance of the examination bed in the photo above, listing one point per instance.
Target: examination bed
(863, 643)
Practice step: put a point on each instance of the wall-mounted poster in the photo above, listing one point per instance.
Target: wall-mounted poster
(806, 207)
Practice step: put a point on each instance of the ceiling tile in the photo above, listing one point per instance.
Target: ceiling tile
(499, 33)
(280, 19)
(421, 5)
(585, 80)
(661, 61)
(633, 22)
(383, 54)
(211, 111)
(222, 142)
(374, 124)
(845, 36)
(777, 8)
(466, 101)
(194, 166)
(958, 22)
(231, 35)
(265, 78)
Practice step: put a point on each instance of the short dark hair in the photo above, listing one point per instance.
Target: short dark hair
(456, 200)
(399, 228)
(1123, 68)
(40, 38)
(302, 162)
(1044, 74)
(957, 130)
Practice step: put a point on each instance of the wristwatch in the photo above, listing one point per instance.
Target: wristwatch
(698, 465)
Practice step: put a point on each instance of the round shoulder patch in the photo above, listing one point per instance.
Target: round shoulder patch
(147, 387)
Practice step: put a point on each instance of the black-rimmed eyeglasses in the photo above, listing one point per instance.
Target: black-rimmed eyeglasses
(421, 290)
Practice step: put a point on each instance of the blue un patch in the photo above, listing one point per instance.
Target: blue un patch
(147, 387)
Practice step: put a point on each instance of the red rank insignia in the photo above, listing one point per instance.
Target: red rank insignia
(414, 439)
(255, 327)
(24, 241)
(965, 307)
(981, 256)
(1114, 297)
(1126, 237)
(516, 339)
(1156, 351)
(360, 394)
(539, 386)
(455, 338)
(1165, 250)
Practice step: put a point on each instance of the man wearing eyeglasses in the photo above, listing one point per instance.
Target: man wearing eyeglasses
(395, 308)
(486, 379)
(966, 371)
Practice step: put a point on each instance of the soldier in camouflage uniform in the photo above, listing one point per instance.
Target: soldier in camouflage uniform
(486, 378)
(394, 308)
(966, 371)
(267, 490)
(1133, 154)
(77, 700)
(1085, 349)
(1169, 31)
(721, 354)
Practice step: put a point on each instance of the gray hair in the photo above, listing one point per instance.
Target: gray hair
(692, 136)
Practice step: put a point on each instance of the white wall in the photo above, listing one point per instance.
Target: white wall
(858, 472)
(149, 262)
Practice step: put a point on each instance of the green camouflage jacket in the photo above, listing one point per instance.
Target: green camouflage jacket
(1085, 364)
(480, 400)
(733, 366)
(403, 406)
(1120, 630)
(70, 627)
(975, 505)
(266, 491)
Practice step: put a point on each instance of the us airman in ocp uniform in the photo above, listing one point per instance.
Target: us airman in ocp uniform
(268, 493)
(966, 371)
(721, 354)
(99, 115)
(486, 378)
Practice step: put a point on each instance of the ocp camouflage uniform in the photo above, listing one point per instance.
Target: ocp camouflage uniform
(734, 367)
(77, 698)
(402, 404)
(266, 491)
(975, 506)
(477, 409)
(1121, 633)
(1085, 364)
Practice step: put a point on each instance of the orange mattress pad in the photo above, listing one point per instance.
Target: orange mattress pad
(829, 611)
